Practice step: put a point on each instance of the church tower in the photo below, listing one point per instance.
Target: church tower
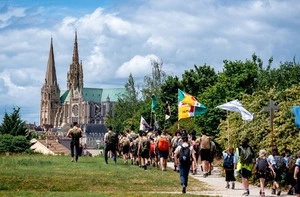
(50, 93)
(75, 74)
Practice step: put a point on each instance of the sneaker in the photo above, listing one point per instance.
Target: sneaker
(209, 173)
(246, 193)
(227, 186)
(232, 185)
(145, 167)
(290, 192)
(273, 191)
(278, 191)
(183, 189)
(72, 160)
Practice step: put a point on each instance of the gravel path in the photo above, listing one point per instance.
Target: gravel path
(217, 185)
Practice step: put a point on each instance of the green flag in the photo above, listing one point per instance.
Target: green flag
(154, 104)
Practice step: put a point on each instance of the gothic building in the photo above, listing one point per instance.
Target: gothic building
(77, 103)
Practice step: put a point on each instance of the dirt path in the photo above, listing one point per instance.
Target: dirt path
(217, 185)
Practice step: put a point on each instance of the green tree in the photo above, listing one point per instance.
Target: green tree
(13, 124)
(198, 79)
(126, 108)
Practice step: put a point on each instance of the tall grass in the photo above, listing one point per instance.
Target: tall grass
(39, 175)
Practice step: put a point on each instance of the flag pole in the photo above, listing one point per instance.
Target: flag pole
(151, 119)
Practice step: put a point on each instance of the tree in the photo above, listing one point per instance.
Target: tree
(153, 83)
(198, 79)
(13, 124)
(126, 108)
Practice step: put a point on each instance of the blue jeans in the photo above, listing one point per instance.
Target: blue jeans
(184, 170)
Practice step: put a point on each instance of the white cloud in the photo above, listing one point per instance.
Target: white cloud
(138, 66)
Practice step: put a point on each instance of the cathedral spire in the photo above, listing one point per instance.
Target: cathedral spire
(50, 78)
(75, 50)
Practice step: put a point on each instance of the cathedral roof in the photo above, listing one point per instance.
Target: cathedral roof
(95, 94)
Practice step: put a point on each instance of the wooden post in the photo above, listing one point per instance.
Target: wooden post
(271, 108)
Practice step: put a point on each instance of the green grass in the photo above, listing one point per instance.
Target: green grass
(39, 175)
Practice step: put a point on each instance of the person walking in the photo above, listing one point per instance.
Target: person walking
(229, 165)
(75, 133)
(245, 157)
(111, 141)
(205, 153)
(297, 175)
(184, 154)
(262, 167)
(163, 146)
(290, 168)
(277, 166)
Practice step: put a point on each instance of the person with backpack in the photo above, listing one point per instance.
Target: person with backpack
(205, 153)
(111, 141)
(184, 154)
(289, 174)
(175, 142)
(261, 166)
(297, 175)
(163, 146)
(229, 165)
(144, 149)
(245, 160)
(75, 133)
(125, 143)
(277, 166)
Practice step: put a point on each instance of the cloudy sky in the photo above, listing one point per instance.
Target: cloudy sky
(117, 38)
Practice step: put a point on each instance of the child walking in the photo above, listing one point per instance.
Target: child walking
(261, 166)
(229, 166)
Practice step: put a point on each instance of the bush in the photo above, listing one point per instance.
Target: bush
(20, 144)
(16, 144)
(6, 143)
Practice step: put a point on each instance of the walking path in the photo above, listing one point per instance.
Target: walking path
(217, 184)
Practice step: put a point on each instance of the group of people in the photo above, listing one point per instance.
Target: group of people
(156, 148)
(242, 162)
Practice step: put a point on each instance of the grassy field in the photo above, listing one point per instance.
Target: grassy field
(39, 175)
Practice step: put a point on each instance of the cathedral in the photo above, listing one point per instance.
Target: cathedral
(77, 103)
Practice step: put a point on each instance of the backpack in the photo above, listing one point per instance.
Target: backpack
(111, 138)
(163, 144)
(152, 147)
(261, 165)
(145, 145)
(280, 165)
(184, 155)
(228, 162)
(246, 155)
(176, 143)
(291, 165)
(76, 133)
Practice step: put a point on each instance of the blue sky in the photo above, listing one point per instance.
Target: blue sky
(118, 37)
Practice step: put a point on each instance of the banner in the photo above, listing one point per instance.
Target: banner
(188, 106)
(154, 104)
(296, 111)
(143, 124)
(236, 106)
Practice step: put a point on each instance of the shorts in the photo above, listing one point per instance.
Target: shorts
(289, 179)
(145, 154)
(229, 175)
(152, 155)
(163, 154)
(205, 154)
(125, 149)
(261, 175)
(245, 173)
(278, 176)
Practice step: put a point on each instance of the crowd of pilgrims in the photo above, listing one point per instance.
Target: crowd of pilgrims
(155, 148)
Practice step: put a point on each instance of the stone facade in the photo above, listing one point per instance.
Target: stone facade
(77, 103)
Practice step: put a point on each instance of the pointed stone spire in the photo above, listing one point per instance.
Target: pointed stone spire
(75, 50)
(75, 74)
(50, 78)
